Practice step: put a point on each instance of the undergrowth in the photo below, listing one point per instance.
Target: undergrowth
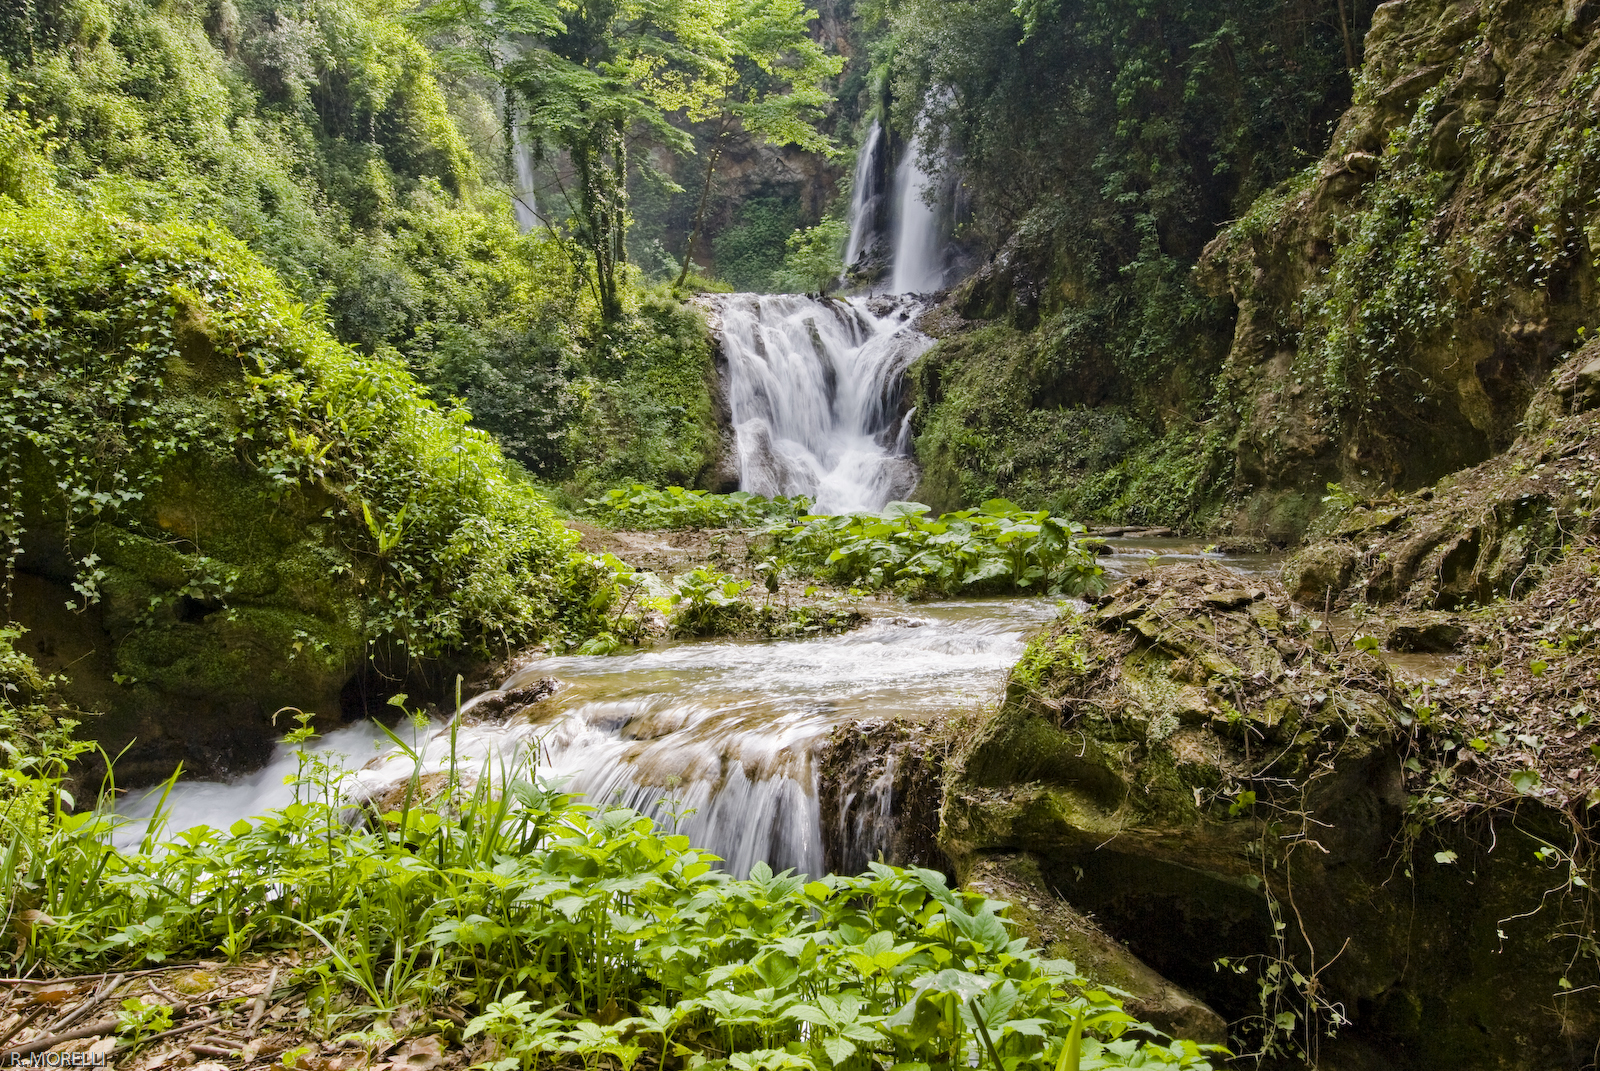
(643, 508)
(573, 935)
(996, 548)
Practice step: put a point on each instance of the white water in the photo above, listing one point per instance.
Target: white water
(814, 389)
(730, 729)
(866, 197)
(733, 731)
(919, 243)
(524, 203)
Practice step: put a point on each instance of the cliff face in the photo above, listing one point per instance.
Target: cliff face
(1400, 302)
(1380, 319)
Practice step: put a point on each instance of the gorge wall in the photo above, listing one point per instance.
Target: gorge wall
(1379, 318)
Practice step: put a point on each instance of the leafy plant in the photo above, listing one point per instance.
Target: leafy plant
(566, 928)
(704, 602)
(995, 548)
(645, 508)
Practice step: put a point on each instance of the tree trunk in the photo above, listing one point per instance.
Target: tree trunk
(700, 212)
(1349, 47)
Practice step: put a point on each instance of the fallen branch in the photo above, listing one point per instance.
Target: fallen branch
(259, 1007)
(103, 1026)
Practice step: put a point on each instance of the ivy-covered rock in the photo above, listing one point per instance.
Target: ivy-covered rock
(220, 511)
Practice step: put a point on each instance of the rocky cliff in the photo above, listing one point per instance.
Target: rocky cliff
(1400, 302)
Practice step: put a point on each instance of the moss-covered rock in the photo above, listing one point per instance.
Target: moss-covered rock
(1489, 533)
(1400, 302)
(215, 510)
(1192, 765)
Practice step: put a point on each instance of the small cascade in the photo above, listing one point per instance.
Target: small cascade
(816, 398)
(867, 199)
(919, 259)
(757, 740)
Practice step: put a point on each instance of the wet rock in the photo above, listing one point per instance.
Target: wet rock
(879, 794)
(1483, 535)
(1427, 633)
(498, 706)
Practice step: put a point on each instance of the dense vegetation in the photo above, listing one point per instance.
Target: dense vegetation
(995, 548)
(373, 181)
(1101, 146)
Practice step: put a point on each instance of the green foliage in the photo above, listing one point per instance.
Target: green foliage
(569, 929)
(320, 134)
(706, 603)
(646, 402)
(645, 508)
(1001, 412)
(135, 351)
(995, 548)
(750, 250)
(815, 256)
(136, 1019)
(592, 75)
(1049, 657)
(1102, 145)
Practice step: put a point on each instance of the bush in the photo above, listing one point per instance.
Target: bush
(137, 352)
(644, 508)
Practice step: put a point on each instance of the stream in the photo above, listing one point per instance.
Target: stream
(729, 731)
(725, 738)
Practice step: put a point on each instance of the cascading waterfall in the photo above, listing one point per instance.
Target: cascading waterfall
(731, 732)
(815, 390)
(524, 202)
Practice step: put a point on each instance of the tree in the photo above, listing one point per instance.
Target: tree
(775, 89)
(589, 73)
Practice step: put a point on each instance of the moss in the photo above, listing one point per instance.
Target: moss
(1002, 413)
(241, 510)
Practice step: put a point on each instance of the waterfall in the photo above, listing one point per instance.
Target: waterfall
(524, 204)
(919, 241)
(815, 392)
(866, 198)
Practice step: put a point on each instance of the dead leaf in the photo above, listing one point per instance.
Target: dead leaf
(419, 1054)
(54, 993)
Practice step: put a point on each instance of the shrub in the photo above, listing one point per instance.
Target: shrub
(645, 508)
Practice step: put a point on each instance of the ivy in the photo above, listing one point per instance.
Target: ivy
(127, 348)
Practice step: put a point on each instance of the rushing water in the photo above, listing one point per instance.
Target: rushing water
(725, 738)
(731, 730)
(815, 392)
(867, 197)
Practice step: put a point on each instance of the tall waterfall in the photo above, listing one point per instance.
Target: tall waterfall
(524, 202)
(867, 197)
(919, 241)
(815, 393)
